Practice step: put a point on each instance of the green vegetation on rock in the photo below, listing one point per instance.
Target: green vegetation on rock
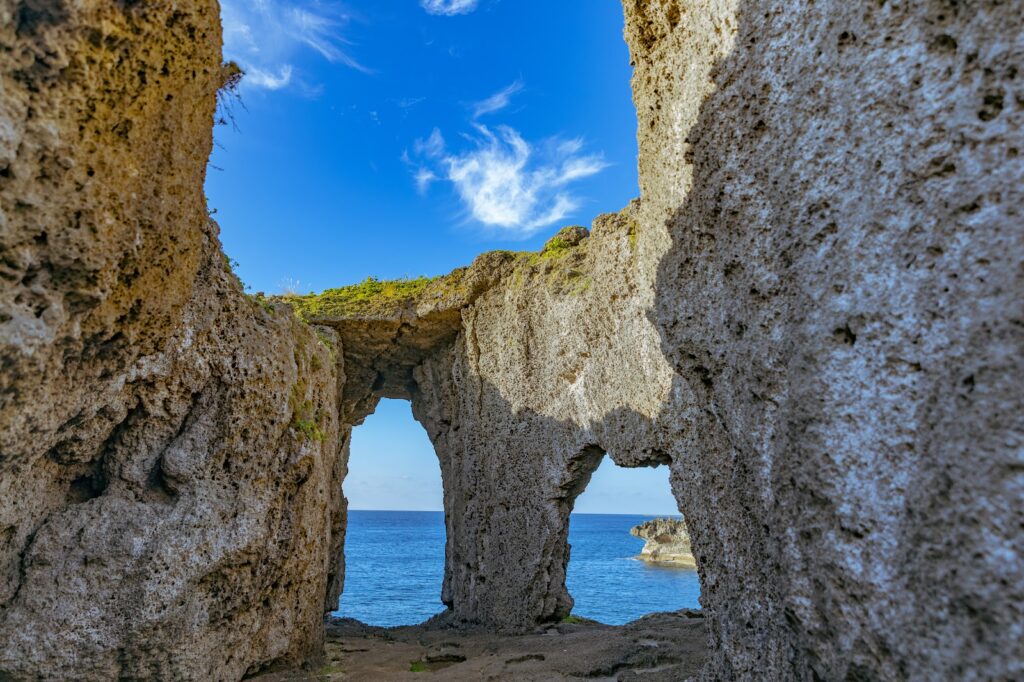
(262, 301)
(634, 230)
(371, 297)
(229, 267)
(305, 417)
(327, 342)
(331, 670)
(564, 239)
(375, 298)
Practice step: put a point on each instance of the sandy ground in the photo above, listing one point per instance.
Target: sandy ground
(659, 647)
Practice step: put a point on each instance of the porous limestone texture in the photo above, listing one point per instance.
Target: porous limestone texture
(665, 542)
(835, 190)
(814, 317)
(517, 393)
(169, 479)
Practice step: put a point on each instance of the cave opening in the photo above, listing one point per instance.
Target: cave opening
(606, 577)
(395, 539)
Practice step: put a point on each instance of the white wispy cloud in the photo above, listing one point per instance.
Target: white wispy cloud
(497, 101)
(409, 102)
(432, 147)
(424, 176)
(449, 7)
(506, 183)
(262, 79)
(265, 36)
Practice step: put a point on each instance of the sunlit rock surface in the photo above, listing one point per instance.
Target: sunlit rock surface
(814, 316)
(168, 468)
(834, 190)
(518, 398)
(665, 542)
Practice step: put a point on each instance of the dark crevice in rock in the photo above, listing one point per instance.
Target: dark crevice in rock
(88, 486)
(581, 468)
(158, 488)
(23, 563)
(35, 15)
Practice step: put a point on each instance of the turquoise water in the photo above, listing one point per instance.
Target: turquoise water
(395, 563)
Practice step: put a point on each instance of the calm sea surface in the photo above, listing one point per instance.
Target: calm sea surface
(395, 563)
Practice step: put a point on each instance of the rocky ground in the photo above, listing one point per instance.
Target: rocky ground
(658, 647)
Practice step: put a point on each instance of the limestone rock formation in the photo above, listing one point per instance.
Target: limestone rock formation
(519, 414)
(835, 189)
(666, 541)
(168, 468)
(813, 317)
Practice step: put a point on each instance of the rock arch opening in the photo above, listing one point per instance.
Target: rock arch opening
(629, 553)
(395, 536)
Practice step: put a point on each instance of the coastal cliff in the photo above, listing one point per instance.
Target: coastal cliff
(834, 190)
(475, 353)
(813, 316)
(666, 541)
(169, 479)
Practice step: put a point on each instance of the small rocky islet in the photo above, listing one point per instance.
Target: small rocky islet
(666, 542)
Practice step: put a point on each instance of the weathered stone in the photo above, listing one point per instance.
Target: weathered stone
(666, 541)
(814, 317)
(519, 416)
(168, 468)
(835, 193)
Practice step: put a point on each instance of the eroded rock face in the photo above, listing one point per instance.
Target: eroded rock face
(813, 317)
(168, 447)
(666, 541)
(521, 402)
(838, 186)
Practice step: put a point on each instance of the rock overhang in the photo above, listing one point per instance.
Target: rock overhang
(387, 328)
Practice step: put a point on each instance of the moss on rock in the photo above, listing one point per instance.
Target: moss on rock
(565, 239)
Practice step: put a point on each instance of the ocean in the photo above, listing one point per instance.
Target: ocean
(395, 564)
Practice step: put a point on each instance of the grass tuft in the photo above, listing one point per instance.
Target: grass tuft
(330, 670)
(375, 298)
(305, 419)
(564, 240)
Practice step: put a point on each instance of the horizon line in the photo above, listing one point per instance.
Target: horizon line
(441, 511)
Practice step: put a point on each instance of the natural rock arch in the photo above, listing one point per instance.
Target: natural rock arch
(339, 555)
(510, 470)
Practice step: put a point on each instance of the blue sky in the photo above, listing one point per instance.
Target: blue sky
(398, 138)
